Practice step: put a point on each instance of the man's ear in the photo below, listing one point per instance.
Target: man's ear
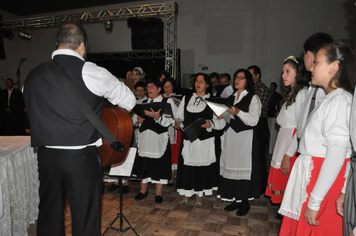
(310, 57)
(81, 49)
(310, 54)
(82, 45)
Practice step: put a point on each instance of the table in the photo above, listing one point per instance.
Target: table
(19, 185)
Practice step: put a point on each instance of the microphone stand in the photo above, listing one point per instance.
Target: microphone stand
(18, 73)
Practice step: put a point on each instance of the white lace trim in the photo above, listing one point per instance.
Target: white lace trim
(314, 203)
(195, 163)
(149, 180)
(155, 155)
(235, 174)
(189, 193)
(233, 199)
(304, 195)
(304, 190)
(275, 165)
(288, 214)
(337, 140)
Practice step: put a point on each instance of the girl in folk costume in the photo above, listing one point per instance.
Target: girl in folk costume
(317, 176)
(197, 168)
(169, 85)
(296, 85)
(240, 164)
(154, 151)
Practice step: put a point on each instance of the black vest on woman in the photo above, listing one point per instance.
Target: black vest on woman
(190, 117)
(236, 124)
(151, 124)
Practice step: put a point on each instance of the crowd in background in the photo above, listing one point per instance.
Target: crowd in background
(306, 130)
(309, 139)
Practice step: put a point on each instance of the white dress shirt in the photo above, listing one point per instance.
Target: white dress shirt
(103, 84)
(303, 115)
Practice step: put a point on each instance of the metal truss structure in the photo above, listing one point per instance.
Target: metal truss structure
(167, 10)
(127, 56)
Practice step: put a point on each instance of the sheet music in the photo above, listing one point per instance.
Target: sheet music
(125, 169)
(218, 109)
(227, 116)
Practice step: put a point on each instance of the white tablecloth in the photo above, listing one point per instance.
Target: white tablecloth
(19, 185)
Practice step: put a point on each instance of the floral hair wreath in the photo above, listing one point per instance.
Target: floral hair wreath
(293, 58)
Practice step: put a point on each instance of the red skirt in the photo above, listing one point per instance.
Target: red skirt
(175, 148)
(330, 223)
(277, 182)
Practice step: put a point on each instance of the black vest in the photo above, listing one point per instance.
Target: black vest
(55, 120)
(236, 124)
(190, 117)
(151, 124)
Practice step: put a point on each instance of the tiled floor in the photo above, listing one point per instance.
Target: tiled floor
(173, 218)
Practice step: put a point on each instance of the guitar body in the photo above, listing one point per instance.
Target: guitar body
(119, 123)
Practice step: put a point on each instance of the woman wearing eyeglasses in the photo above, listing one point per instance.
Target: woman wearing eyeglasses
(239, 179)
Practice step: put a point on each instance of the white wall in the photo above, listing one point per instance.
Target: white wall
(224, 35)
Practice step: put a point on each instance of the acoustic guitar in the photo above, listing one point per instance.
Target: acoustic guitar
(119, 123)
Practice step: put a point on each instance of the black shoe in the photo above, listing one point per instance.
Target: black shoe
(113, 187)
(125, 189)
(140, 196)
(158, 199)
(233, 206)
(241, 212)
(244, 208)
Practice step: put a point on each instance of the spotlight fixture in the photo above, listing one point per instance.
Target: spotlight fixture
(108, 25)
(25, 34)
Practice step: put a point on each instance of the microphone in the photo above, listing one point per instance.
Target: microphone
(23, 59)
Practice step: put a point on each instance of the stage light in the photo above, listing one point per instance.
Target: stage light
(25, 34)
(109, 25)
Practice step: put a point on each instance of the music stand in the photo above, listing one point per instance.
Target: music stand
(121, 214)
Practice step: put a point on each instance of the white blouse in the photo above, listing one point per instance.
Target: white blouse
(236, 160)
(199, 152)
(327, 135)
(303, 115)
(153, 145)
(288, 117)
(251, 117)
(302, 119)
(196, 108)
